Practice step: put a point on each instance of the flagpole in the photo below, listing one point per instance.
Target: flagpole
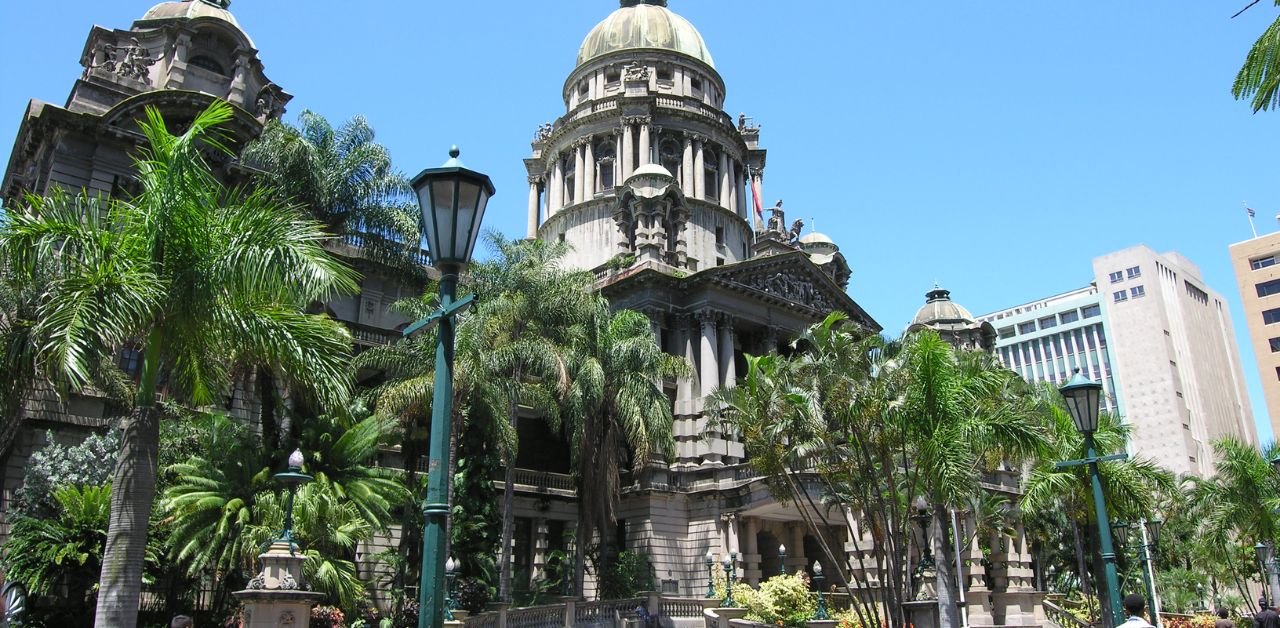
(1249, 210)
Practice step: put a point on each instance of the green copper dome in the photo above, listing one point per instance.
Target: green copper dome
(644, 24)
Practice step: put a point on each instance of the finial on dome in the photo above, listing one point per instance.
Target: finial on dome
(454, 152)
(221, 4)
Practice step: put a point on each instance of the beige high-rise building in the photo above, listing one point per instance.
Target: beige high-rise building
(1173, 345)
(1257, 266)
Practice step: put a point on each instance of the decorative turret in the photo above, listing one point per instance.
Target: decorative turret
(953, 322)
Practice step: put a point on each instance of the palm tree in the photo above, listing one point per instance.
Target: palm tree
(617, 411)
(345, 180)
(961, 413)
(202, 278)
(515, 342)
(1259, 77)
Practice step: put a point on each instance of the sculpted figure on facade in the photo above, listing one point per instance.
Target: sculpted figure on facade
(543, 132)
(635, 72)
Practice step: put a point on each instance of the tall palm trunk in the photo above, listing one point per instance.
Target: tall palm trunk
(133, 490)
(946, 581)
(508, 515)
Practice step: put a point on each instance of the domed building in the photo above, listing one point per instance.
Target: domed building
(179, 56)
(647, 177)
(953, 322)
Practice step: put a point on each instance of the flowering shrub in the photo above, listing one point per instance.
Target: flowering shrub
(849, 619)
(327, 617)
(781, 600)
(1193, 621)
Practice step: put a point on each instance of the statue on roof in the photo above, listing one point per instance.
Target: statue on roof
(221, 4)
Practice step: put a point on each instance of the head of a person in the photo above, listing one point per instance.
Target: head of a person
(1222, 612)
(1262, 603)
(1133, 604)
(182, 621)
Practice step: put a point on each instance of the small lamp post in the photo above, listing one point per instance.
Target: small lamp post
(293, 478)
(782, 559)
(730, 573)
(711, 574)
(1267, 567)
(818, 581)
(451, 576)
(452, 199)
(1081, 397)
(1150, 539)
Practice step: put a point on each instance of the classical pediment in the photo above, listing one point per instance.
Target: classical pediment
(791, 280)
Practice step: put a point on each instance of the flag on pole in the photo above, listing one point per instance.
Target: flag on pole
(1251, 212)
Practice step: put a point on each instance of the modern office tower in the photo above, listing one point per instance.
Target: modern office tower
(1158, 338)
(1257, 266)
(1047, 339)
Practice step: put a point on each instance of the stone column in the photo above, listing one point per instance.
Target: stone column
(240, 80)
(578, 168)
(751, 552)
(644, 144)
(178, 62)
(555, 200)
(710, 371)
(685, 386)
(699, 171)
(628, 148)
(732, 541)
(769, 344)
(686, 167)
(589, 173)
(617, 160)
(735, 189)
(540, 546)
(728, 371)
(533, 208)
(795, 547)
(724, 176)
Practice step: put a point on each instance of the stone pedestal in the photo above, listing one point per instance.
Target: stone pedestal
(276, 597)
(922, 613)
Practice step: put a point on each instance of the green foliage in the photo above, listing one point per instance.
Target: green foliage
(64, 551)
(628, 575)
(620, 261)
(56, 466)
(783, 600)
(472, 594)
(1259, 76)
(477, 519)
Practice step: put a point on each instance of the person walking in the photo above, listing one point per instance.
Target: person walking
(1222, 621)
(1133, 607)
(1267, 617)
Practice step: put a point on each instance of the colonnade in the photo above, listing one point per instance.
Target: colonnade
(577, 174)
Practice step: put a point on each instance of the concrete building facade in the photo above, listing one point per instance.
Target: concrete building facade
(1257, 266)
(1164, 350)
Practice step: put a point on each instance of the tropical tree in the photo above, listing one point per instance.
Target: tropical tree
(344, 180)
(63, 552)
(617, 412)
(198, 276)
(1259, 77)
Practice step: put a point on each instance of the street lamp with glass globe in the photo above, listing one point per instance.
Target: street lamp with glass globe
(1082, 398)
(452, 199)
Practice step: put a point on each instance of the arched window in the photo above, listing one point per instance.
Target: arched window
(605, 158)
(711, 174)
(570, 173)
(671, 156)
(207, 63)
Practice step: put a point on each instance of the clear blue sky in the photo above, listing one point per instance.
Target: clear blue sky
(994, 147)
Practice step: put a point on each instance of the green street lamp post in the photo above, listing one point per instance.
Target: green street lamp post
(451, 576)
(711, 575)
(1082, 396)
(731, 575)
(818, 580)
(1150, 530)
(1270, 575)
(782, 560)
(293, 478)
(452, 199)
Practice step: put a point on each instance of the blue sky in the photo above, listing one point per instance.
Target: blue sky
(993, 147)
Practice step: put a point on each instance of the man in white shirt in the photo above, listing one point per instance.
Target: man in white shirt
(1133, 606)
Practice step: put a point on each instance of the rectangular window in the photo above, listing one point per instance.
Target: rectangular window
(1275, 344)
(695, 84)
(664, 73)
(1116, 277)
(1091, 311)
(1133, 272)
(719, 236)
(1278, 372)
(1120, 295)
(1048, 321)
(1028, 327)
(1006, 332)
(1138, 292)
(1268, 288)
(1271, 316)
(1069, 316)
(1262, 262)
